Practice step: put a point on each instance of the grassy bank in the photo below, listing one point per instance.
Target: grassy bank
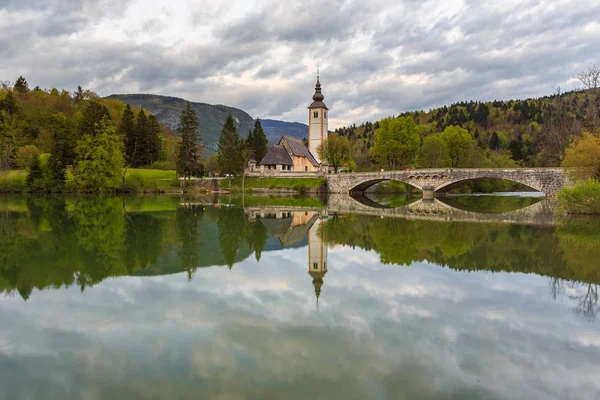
(137, 180)
(300, 185)
(582, 198)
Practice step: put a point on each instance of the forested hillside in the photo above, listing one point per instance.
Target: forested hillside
(532, 132)
(210, 117)
(48, 131)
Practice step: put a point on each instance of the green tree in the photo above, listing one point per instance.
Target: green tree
(582, 158)
(259, 142)
(93, 114)
(128, 131)
(335, 150)
(141, 128)
(35, 176)
(99, 159)
(460, 145)
(396, 142)
(494, 141)
(434, 153)
(21, 85)
(154, 142)
(188, 152)
(57, 163)
(229, 148)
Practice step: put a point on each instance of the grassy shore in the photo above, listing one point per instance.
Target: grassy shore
(300, 185)
(582, 198)
(136, 180)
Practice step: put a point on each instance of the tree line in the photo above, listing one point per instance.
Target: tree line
(530, 132)
(47, 131)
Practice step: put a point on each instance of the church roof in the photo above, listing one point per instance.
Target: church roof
(318, 97)
(298, 148)
(277, 155)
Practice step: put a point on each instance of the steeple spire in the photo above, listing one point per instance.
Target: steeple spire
(318, 96)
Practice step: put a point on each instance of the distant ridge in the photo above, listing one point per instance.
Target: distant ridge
(275, 129)
(211, 118)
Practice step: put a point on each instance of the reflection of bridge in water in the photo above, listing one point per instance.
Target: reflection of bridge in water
(540, 213)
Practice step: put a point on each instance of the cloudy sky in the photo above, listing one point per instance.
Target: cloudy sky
(377, 58)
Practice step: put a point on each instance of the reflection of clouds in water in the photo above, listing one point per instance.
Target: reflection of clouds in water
(381, 331)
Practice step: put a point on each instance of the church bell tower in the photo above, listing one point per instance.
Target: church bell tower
(317, 121)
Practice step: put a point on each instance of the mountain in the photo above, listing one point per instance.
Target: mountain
(275, 129)
(210, 117)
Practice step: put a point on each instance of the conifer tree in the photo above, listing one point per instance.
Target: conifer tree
(57, 163)
(229, 148)
(154, 142)
(250, 141)
(9, 104)
(21, 85)
(35, 175)
(494, 141)
(260, 143)
(188, 152)
(141, 134)
(93, 115)
(78, 95)
(128, 131)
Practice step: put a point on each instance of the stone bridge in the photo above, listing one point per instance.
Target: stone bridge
(441, 180)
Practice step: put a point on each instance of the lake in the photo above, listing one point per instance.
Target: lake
(385, 297)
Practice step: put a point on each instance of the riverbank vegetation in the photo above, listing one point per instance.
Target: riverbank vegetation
(582, 163)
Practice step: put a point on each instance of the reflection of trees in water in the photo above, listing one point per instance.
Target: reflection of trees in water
(584, 294)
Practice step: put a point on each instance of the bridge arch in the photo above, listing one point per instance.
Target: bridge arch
(448, 186)
(362, 185)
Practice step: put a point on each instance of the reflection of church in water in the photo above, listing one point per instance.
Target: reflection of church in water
(293, 229)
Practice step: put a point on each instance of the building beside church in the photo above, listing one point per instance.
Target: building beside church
(291, 154)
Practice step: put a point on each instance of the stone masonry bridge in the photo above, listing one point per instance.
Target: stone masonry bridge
(440, 180)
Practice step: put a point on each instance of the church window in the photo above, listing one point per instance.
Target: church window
(325, 265)
(315, 114)
(325, 114)
(315, 265)
(305, 168)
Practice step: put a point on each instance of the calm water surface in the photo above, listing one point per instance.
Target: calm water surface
(125, 298)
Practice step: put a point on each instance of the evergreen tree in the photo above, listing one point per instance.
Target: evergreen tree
(78, 95)
(229, 148)
(188, 152)
(141, 128)
(57, 163)
(250, 141)
(259, 142)
(9, 104)
(127, 130)
(154, 142)
(494, 141)
(93, 114)
(21, 85)
(35, 175)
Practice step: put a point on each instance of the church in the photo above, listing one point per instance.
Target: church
(291, 154)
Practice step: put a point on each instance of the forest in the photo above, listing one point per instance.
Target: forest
(57, 134)
(528, 133)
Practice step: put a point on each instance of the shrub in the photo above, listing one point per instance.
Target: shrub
(583, 198)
